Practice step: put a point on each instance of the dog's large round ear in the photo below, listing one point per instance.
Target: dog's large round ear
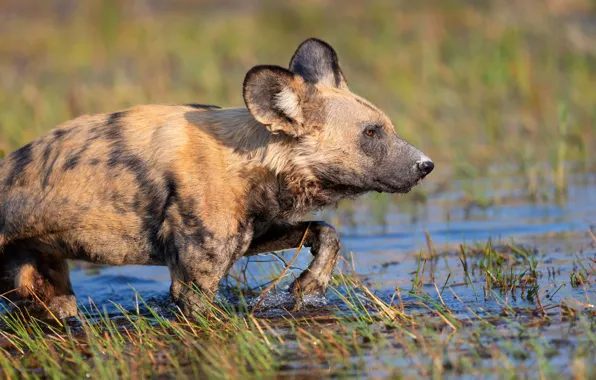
(317, 63)
(272, 95)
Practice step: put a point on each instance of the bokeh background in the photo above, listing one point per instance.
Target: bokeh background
(486, 88)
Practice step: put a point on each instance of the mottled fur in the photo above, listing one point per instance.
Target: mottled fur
(197, 187)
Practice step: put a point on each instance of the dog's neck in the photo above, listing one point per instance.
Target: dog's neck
(278, 168)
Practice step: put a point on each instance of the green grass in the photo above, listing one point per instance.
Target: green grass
(422, 332)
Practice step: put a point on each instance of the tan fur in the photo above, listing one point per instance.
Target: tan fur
(27, 280)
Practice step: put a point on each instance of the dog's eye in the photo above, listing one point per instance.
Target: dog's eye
(370, 132)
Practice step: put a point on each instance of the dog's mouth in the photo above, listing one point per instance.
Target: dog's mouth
(395, 188)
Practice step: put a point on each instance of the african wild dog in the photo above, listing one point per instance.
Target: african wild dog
(197, 187)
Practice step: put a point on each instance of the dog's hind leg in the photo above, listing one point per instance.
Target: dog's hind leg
(41, 282)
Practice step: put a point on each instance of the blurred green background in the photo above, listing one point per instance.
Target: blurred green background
(482, 87)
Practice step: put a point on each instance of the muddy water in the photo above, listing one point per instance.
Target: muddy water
(382, 239)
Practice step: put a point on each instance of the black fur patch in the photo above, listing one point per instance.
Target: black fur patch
(193, 232)
(21, 158)
(366, 104)
(59, 134)
(114, 132)
(73, 159)
(172, 256)
(48, 169)
(47, 152)
(71, 163)
(115, 117)
(52, 147)
(315, 60)
(172, 189)
(279, 237)
(203, 106)
(211, 256)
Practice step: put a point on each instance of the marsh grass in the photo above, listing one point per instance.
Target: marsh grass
(428, 330)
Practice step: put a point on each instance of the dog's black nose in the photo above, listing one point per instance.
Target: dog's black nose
(426, 167)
